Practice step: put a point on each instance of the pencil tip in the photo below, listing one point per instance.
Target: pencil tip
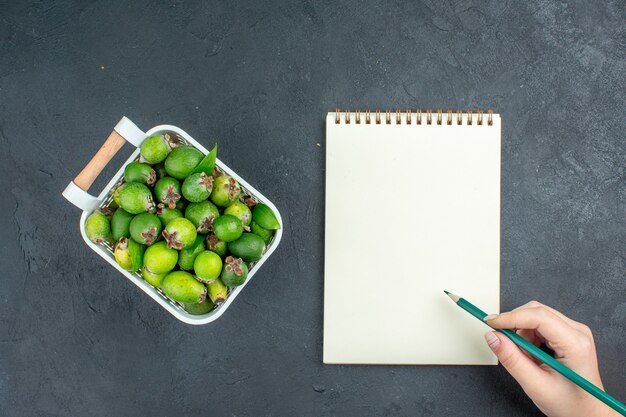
(454, 297)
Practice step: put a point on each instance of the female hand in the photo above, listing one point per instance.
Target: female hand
(573, 345)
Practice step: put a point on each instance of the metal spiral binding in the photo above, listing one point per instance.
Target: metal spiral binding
(439, 117)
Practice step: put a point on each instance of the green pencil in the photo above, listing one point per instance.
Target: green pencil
(543, 356)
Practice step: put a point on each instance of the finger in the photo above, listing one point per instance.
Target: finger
(557, 333)
(530, 335)
(520, 366)
(571, 322)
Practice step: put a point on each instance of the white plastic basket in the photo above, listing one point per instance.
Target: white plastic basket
(76, 193)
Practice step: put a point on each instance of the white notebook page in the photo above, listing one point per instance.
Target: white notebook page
(411, 210)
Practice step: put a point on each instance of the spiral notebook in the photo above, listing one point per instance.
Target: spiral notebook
(412, 208)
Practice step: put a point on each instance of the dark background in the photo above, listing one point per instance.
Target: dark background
(76, 338)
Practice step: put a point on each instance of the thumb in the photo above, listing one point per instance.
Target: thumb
(520, 366)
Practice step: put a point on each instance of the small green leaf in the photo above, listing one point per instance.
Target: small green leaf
(207, 164)
(265, 217)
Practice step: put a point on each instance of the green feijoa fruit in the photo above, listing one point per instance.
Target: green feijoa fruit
(98, 227)
(136, 254)
(140, 172)
(159, 259)
(155, 148)
(116, 194)
(122, 254)
(265, 217)
(218, 291)
(235, 271)
(215, 245)
(207, 266)
(197, 187)
(227, 228)
(153, 279)
(129, 254)
(226, 191)
(160, 170)
(167, 214)
(248, 247)
(120, 223)
(167, 191)
(181, 286)
(207, 164)
(202, 215)
(199, 308)
(145, 228)
(181, 161)
(264, 234)
(180, 233)
(136, 198)
(187, 256)
(241, 211)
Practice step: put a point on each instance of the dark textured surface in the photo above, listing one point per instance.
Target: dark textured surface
(76, 338)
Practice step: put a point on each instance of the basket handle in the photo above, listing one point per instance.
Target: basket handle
(76, 191)
(107, 151)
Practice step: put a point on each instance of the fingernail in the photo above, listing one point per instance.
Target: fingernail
(492, 340)
(490, 317)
